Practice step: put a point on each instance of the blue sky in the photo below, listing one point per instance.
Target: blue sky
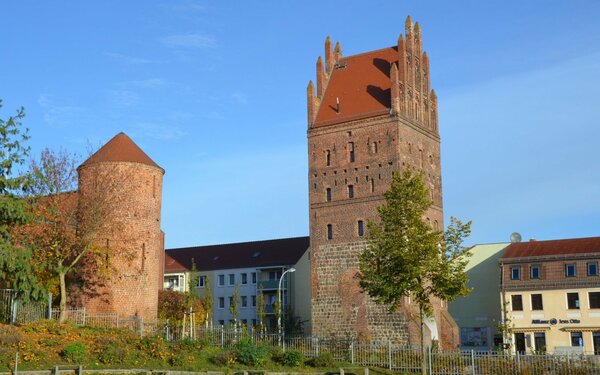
(215, 92)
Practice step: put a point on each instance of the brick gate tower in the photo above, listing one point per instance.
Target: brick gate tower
(124, 186)
(369, 115)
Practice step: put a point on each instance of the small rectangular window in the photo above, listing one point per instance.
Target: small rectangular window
(576, 339)
(328, 158)
(350, 191)
(329, 232)
(328, 194)
(537, 302)
(351, 152)
(535, 272)
(517, 302)
(372, 182)
(573, 301)
(244, 301)
(253, 277)
(592, 269)
(570, 270)
(515, 273)
(230, 301)
(594, 298)
(201, 281)
(231, 279)
(221, 280)
(361, 228)
(221, 302)
(253, 301)
(244, 278)
(254, 322)
(221, 322)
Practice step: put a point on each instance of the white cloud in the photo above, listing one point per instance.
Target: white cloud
(193, 40)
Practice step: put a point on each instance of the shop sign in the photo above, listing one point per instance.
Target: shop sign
(555, 321)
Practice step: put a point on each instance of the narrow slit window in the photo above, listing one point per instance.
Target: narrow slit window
(328, 158)
(329, 232)
(361, 228)
(328, 194)
(350, 191)
(351, 152)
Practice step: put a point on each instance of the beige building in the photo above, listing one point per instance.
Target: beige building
(479, 313)
(551, 295)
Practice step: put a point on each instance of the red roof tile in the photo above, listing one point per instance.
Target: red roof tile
(286, 251)
(120, 149)
(363, 86)
(553, 247)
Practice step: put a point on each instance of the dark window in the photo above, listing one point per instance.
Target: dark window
(517, 302)
(328, 158)
(221, 280)
(221, 302)
(576, 339)
(535, 272)
(539, 339)
(350, 191)
(231, 279)
(230, 301)
(515, 273)
(372, 186)
(573, 300)
(592, 269)
(201, 281)
(221, 322)
(253, 277)
(537, 302)
(253, 301)
(594, 300)
(351, 152)
(244, 321)
(328, 194)
(244, 278)
(361, 228)
(570, 270)
(329, 231)
(244, 301)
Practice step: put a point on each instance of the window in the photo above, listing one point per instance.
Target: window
(351, 152)
(272, 275)
(372, 185)
(201, 282)
(539, 340)
(244, 301)
(244, 278)
(535, 272)
(253, 277)
(361, 228)
(245, 321)
(253, 301)
(594, 298)
(328, 190)
(570, 270)
(573, 300)
(517, 302)
(537, 302)
(231, 279)
(221, 280)
(350, 191)
(515, 273)
(329, 232)
(221, 303)
(254, 322)
(230, 301)
(221, 322)
(592, 269)
(328, 158)
(576, 339)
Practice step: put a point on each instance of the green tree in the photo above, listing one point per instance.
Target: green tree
(405, 256)
(235, 304)
(15, 261)
(260, 309)
(208, 302)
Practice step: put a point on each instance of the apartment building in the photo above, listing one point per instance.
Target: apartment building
(255, 269)
(550, 295)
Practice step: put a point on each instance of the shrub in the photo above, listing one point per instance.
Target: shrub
(249, 354)
(112, 354)
(74, 352)
(323, 360)
(224, 358)
(290, 358)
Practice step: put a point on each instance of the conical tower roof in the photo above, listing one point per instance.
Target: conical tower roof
(120, 149)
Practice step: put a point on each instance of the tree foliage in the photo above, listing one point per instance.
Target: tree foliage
(173, 305)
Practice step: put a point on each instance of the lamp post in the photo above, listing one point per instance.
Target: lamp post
(279, 327)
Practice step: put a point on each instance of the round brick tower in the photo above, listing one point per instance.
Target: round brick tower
(120, 194)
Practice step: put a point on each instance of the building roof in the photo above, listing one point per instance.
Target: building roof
(285, 251)
(570, 246)
(120, 149)
(363, 86)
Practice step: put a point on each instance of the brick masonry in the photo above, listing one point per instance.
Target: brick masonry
(404, 136)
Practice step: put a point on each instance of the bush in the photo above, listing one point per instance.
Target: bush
(323, 360)
(74, 352)
(224, 358)
(112, 354)
(249, 354)
(290, 358)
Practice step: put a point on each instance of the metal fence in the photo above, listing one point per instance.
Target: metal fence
(16, 308)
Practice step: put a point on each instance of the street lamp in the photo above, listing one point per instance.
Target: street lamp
(279, 327)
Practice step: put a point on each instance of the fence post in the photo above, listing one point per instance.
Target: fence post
(430, 360)
(317, 346)
(141, 323)
(222, 337)
(390, 354)
(518, 362)
(49, 305)
(473, 360)
(352, 351)
(13, 318)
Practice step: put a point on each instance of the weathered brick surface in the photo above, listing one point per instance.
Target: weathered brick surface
(133, 237)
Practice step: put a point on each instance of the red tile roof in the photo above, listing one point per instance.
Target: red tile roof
(363, 86)
(553, 247)
(286, 251)
(120, 149)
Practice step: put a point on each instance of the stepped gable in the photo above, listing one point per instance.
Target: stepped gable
(362, 85)
(568, 246)
(237, 255)
(120, 149)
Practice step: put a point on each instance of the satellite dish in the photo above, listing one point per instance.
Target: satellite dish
(515, 237)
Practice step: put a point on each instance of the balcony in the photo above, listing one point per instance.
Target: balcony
(271, 284)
